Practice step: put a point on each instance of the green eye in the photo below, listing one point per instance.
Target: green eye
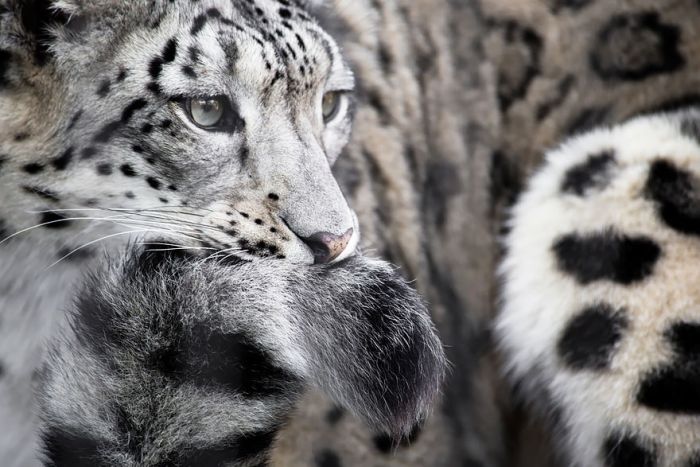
(330, 106)
(207, 112)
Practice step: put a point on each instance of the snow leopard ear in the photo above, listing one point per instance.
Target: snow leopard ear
(38, 21)
(313, 6)
(75, 30)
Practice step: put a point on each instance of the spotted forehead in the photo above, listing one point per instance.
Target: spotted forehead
(275, 42)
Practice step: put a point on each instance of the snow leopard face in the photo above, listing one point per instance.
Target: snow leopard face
(213, 122)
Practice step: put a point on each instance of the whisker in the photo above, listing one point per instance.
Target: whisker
(107, 237)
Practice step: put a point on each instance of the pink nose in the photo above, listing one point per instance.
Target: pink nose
(327, 246)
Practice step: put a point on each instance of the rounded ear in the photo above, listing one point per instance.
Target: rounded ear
(38, 19)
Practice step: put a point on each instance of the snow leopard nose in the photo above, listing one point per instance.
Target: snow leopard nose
(326, 246)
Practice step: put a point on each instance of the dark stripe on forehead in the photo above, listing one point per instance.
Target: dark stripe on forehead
(231, 51)
(198, 24)
(324, 43)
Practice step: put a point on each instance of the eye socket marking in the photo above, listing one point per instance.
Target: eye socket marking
(212, 113)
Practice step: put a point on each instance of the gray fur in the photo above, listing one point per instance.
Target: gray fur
(355, 329)
(79, 172)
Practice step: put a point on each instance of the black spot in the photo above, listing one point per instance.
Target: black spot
(130, 195)
(128, 170)
(635, 47)
(589, 339)
(606, 255)
(673, 104)
(209, 358)
(235, 450)
(165, 124)
(300, 42)
(335, 415)
(153, 183)
(123, 73)
(163, 200)
(169, 51)
(625, 451)
(33, 168)
(676, 196)
(147, 128)
(441, 185)
(690, 127)
(386, 444)
(674, 388)
(88, 153)
(42, 193)
(328, 458)
(188, 71)
(155, 67)
(574, 5)
(104, 168)
(74, 119)
(19, 137)
(155, 88)
(198, 24)
(506, 183)
(213, 13)
(61, 162)
(562, 91)
(285, 13)
(259, 221)
(132, 108)
(104, 88)
(587, 119)
(69, 448)
(594, 173)
(5, 58)
(273, 197)
(106, 132)
(137, 149)
(685, 339)
(53, 220)
(194, 53)
(516, 74)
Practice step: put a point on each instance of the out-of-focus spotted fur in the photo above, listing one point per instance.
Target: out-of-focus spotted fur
(601, 320)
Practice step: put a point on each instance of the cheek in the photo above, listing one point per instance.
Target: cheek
(334, 141)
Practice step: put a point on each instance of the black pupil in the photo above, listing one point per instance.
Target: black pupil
(209, 106)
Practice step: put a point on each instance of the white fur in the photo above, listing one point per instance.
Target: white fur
(538, 300)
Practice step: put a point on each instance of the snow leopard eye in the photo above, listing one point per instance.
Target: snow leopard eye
(331, 105)
(207, 112)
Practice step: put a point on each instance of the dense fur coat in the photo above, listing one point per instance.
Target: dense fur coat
(211, 127)
(473, 97)
(600, 317)
(171, 360)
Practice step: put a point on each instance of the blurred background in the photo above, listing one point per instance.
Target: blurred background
(459, 100)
